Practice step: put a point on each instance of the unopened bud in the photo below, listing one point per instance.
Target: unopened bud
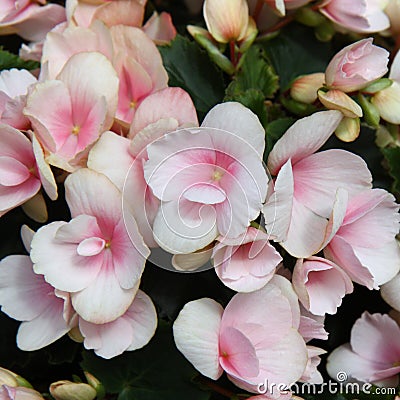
(387, 136)
(76, 335)
(67, 390)
(325, 31)
(387, 101)
(377, 86)
(8, 378)
(95, 384)
(309, 17)
(348, 130)
(337, 100)
(296, 107)
(305, 88)
(371, 113)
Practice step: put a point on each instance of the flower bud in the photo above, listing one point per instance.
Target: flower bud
(337, 100)
(324, 32)
(371, 113)
(95, 384)
(7, 378)
(348, 130)
(305, 88)
(297, 107)
(308, 17)
(67, 390)
(357, 65)
(387, 136)
(387, 101)
(377, 86)
(226, 20)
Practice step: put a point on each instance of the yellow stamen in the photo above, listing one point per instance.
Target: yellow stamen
(133, 104)
(396, 364)
(108, 244)
(217, 175)
(75, 130)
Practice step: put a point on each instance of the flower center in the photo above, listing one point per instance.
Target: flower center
(217, 175)
(75, 130)
(133, 104)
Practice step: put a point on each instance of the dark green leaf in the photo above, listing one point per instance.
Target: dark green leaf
(392, 156)
(158, 371)
(255, 73)
(190, 68)
(9, 60)
(253, 99)
(296, 52)
(274, 131)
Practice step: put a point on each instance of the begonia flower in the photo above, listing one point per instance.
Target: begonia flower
(356, 65)
(280, 6)
(357, 16)
(309, 186)
(92, 257)
(373, 354)
(370, 262)
(19, 393)
(159, 28)
(14, 86)
(210, 180)
(254, 340)
(245, 263)
(320, 285)
(311, 373)
(70, 113)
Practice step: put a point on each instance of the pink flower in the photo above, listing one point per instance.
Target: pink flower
(357, 65)
(320, 285)
(357, 16)
(312, 326)
(364, 245)
(92, 257)
(210, 180)
(159, 28)
(22, 170)
(310, 188)
(311, 373)
(254, 340)
(245, 263)
(25, 296)
(121, 159)
(131, 331)
(282, 5)
(28, 19)
(70, 113)
(18, 393)
(14, 86)
(373, 354)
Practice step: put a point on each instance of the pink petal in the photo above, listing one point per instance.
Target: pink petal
(390, 292)
(171, 102)
(160, 28)
(205, 193)
(91, 246)
(12, 172)
(196, 335)
(303, 138)
(237, 354)
(15, 82)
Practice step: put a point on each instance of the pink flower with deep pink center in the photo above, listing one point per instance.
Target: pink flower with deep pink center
(356, 65)
(122, 159)
(69, 114)
(365, 16)
(14, 86)
(373, 354)
(29, 19)
(210, 180)
(245, 263)
(354, 247)
(92, 257)
(320, 285)
(310, 186)
(254, 340)
(22, 170)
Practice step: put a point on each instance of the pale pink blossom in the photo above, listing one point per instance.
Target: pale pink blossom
(18, 393)
(254, 340)
(226, 20)
(92, 257)
(14, 85)
(356, 65)
(70, 113)
(245, 263)
(311, 373)
(373, 354)
(29, 19)
(370, 215)
(210, 180)
(46, 313)
(365, 16)
(159, 28)
(310, 191)
(320, 285)
(22, 170)
(121, 159)
(312, 326)
(131, 331)
(280, 6)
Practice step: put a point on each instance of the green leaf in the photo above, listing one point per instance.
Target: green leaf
(255, 73)
(295, 52)
(9, 60)
(190, 68)
(392, 156)
(158, 371)
(274, 131)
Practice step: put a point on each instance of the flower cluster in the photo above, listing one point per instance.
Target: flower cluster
(288, 224)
